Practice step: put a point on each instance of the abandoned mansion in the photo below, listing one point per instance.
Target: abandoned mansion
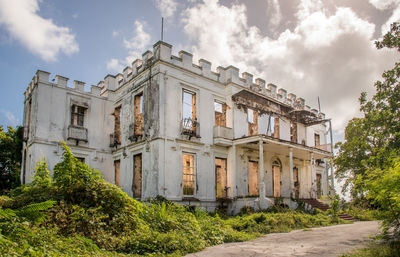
(166, 126)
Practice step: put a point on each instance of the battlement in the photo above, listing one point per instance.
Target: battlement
(226, 75)
(60, 81)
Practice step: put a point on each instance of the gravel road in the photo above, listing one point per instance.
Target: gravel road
(325, 241)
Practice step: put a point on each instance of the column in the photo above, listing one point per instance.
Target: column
(312, 171)
(234, 189)
(261, 190)
(332, 177)
(291, 185)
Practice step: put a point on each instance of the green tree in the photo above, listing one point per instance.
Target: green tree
(375, 138)
(10, 158)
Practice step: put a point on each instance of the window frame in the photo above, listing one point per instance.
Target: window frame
(80, 116)
(194, 174)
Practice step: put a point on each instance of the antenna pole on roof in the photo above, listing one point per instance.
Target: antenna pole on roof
(162, 28)
(319, 105)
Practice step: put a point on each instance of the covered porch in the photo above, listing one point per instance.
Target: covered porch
(266, 168)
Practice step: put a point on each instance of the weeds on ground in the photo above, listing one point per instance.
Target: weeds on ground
(77, 213)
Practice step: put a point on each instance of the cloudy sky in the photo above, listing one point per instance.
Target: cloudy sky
(312, 48)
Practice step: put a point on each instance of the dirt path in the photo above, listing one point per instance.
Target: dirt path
(326, 241)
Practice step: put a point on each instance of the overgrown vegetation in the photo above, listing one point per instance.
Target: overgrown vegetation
(76, 212)
(369, 160)
(10, 158)
(377, 249)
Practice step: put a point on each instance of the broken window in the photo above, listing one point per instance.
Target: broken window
(252, 118)
(253, 178)
(220, 114)
(189, 118)
(188, 174)
(293, 132)
(276, 128)
(276, 175)
(117, 125)
(316, 139)
(137, 176)
(77, 115)
(81, 159)
(138, 115)
(221, 189)
(117, 166)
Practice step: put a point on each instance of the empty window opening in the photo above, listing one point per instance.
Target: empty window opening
(252, 118)
(189, 118)
(117, 125)
(188, 174)
(117, 166)
(81, 159)
(293, 132)
(317, 140)
(138, 115)
(253, 178)
(220, 114)
(296, 182)
(137, 176)
(276, 128)
(276, 174)
(77, 115)
(221, 186)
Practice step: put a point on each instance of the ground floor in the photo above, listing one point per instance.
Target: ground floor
(252, 171)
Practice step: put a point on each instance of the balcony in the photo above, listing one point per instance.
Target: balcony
(77, 133)
(135, 132)
(325, 147)
(190, 128)
(114, 140)
(223, 136)
(25, 133)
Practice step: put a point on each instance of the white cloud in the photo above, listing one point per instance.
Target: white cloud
(135, 47)
(388, 5)
(41, 36)
(114, 65)
(12, 120)
(274, 14)
(327, 55)
(167, 8)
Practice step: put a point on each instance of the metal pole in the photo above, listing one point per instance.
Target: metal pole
(332, 173)
(162, 28)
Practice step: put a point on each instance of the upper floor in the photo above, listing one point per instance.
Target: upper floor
(167, 96)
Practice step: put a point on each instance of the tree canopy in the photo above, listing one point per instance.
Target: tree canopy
(10, 158)
(370, 141)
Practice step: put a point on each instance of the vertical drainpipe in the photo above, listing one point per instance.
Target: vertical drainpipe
(331, 159)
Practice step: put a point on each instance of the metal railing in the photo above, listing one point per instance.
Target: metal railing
(190, 127)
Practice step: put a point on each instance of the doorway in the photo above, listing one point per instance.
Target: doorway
(296, 182)
(221, 189)
(253, 178)
(276, 175)
(319, 190)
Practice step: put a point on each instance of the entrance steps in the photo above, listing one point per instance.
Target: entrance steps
(316, 204)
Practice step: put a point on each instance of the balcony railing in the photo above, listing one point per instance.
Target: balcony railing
(77, 133)
(223, 132)
(190, 127)
(325, 147)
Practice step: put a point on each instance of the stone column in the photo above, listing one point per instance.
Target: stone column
(234, 189)
(261, 189)
(312, 171)
(291, 185)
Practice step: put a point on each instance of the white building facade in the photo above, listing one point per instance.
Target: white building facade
(168, 127)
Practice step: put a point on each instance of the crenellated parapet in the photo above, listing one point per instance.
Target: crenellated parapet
(43, 77)
(163, 52)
